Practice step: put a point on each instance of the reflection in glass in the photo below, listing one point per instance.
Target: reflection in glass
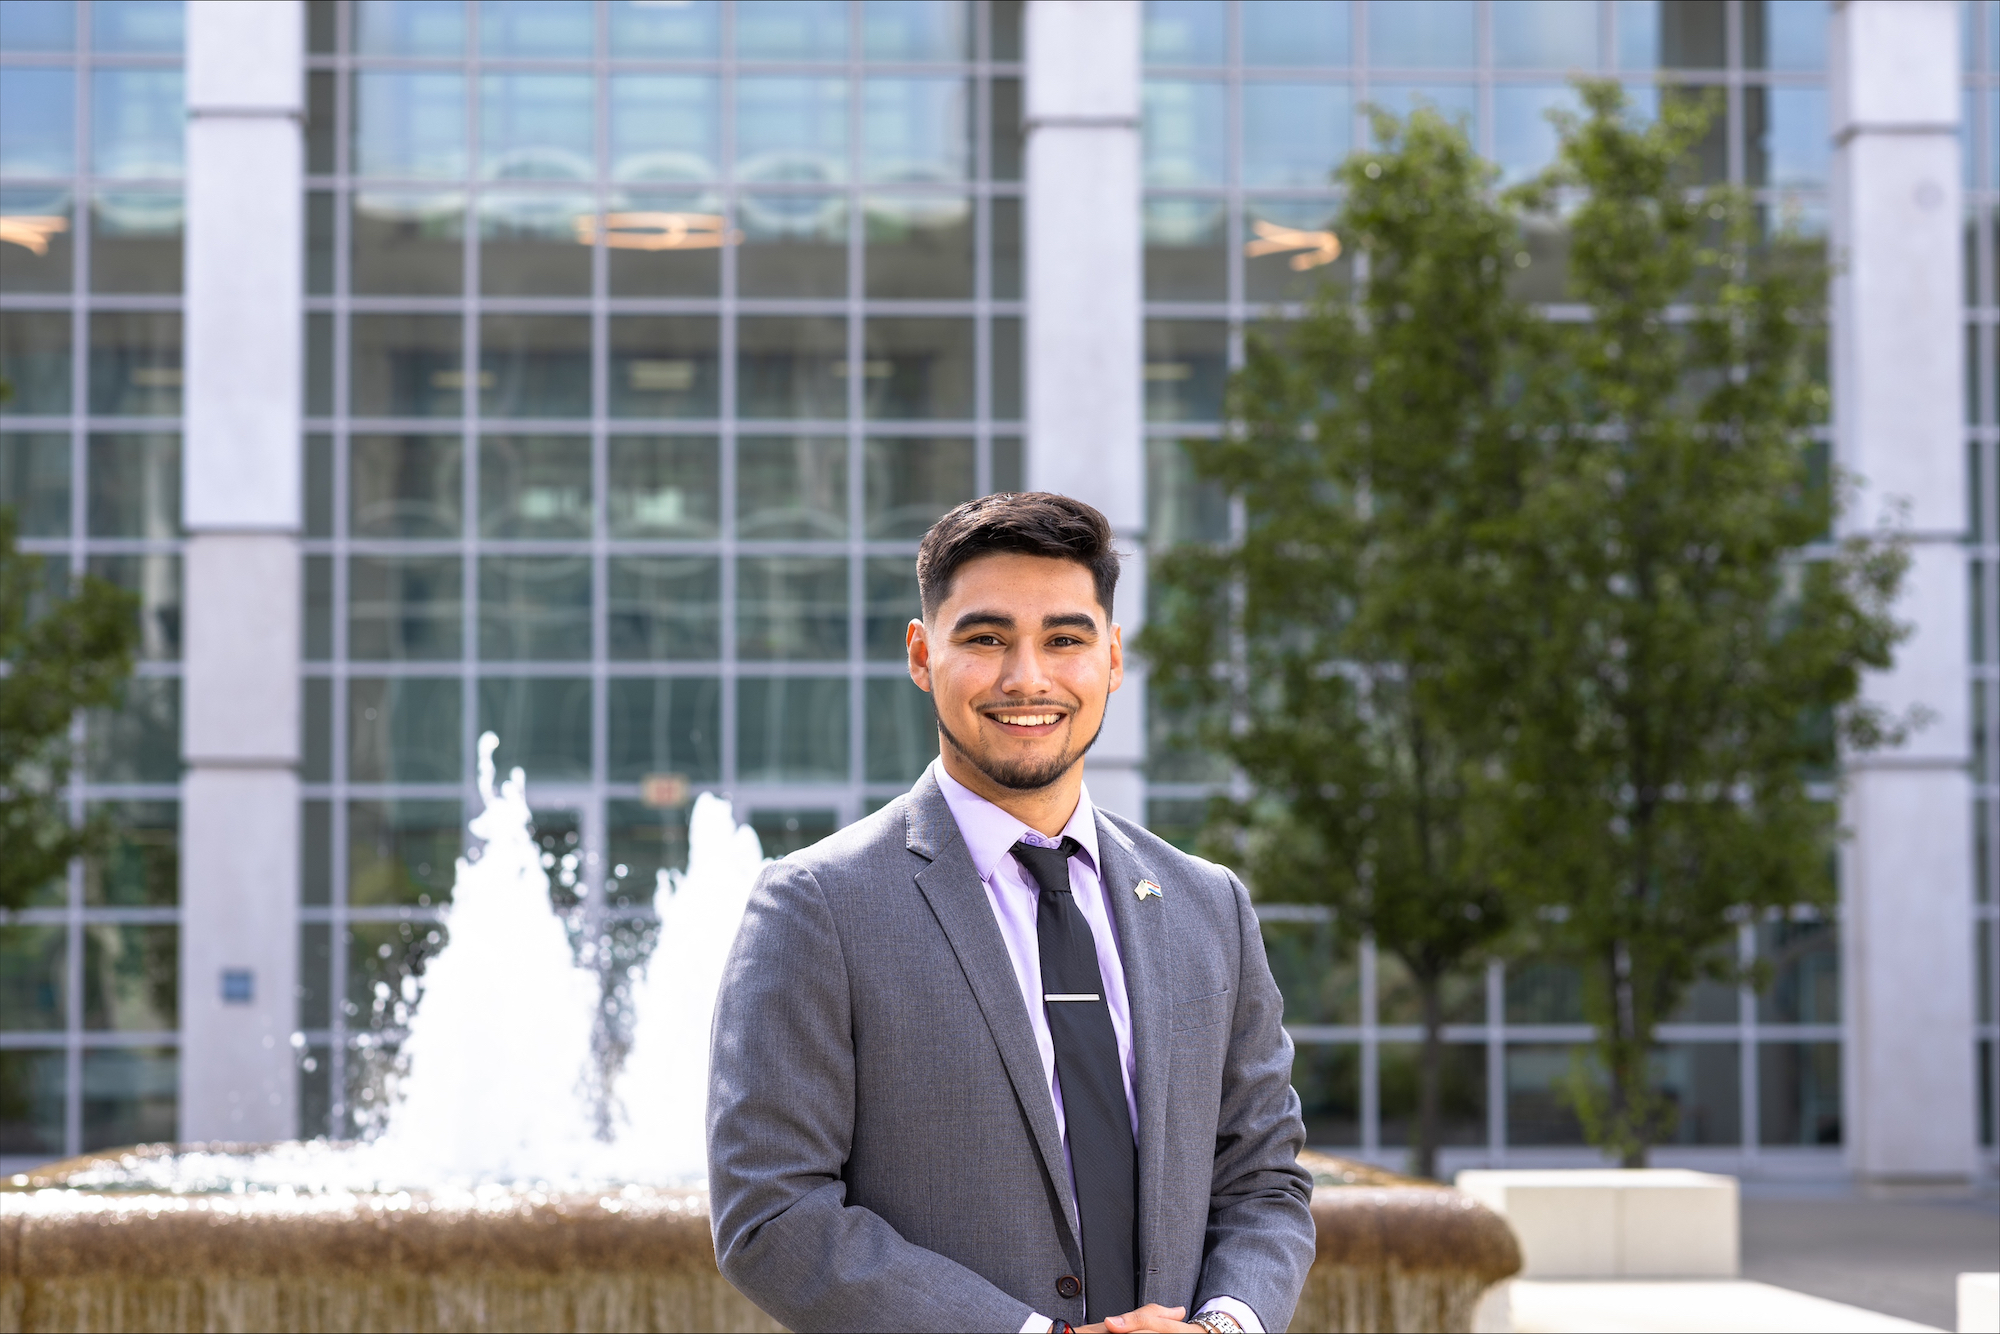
(1544, 34)
(1540, 992)
(140, 866)
(137, 122)
(1183, 134)
(902, 734)
(1677, 34)
(135, 486)
(135, 363)
(1456, 102)
(1461, 1093)
(138, 740)
(319, 242)
(37, 228)
(534, 486)
(1328, 1078)
(541, 29)
(534, 365)
(322, 121)
(405, 608)
(791, 608)
(791, 131)
(537, 127)
(1316, 967)
(642, 29)
(918, 369)
(890, 603)
(1790, 34)
(1290, 249)
(1186, 32)
(916, 130)
(403, 729)
(662, 244)
(405, 486)
(34, 358)
(915, 30)
(1804, 959)
(665, 608)
(665, 725)
(543, 723)
(155, 580)
(136, 27)
(1295, 134)
(1785, 137)
(135, 241)
(783, 832)
(791, 29)
(1187, 249)
(131, 1095)
(1004, 146)
(1187, 362)
(1007, 380)
(1524, 138)
(406, 366)
(409, 124)
(1540, 268)
(919, 246)
(911, 481)
(37, 25)
(664, 366)
(1702, 1083)
(131, 978)
(1540, 1110)
(534, 608)
(664, 486)
(401, 852)
(34, 981)
(318, 611)
(409, 27)
(791, 487)
(791, 366)
(1423, 34)
(791, 729)
(535, 244)
(37, 122)
(1005, 248)
(1180, 505)
(34, 482)
(1710, 157)
(1798, 1093)
(408, 244)
(664, 127)
(640, 842)
(793, 245)
(1295, 32)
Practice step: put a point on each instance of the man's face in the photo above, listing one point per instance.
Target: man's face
(1020, 661)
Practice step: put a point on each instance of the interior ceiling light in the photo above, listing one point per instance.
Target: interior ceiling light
(1316, 248)
(659, 231)
(31, 230)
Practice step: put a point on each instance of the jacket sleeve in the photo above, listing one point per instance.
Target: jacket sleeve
(781, 1109)
(1261, 1237)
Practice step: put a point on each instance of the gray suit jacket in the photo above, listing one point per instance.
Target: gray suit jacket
(882, 1147)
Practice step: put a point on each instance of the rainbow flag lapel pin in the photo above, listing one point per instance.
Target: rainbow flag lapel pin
(1147, 889)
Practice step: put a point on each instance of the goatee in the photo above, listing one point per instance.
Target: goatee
(1026, 776)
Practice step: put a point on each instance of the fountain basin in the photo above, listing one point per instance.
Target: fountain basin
(1393, 1255)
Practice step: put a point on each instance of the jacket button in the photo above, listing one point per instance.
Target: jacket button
(1067, 1286)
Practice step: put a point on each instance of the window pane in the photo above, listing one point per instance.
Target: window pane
(669, 724)
(916, 129)
(140, 867)
(315, 753)
(1544, 34)
(791, 29)
(1790, 34)
(542, 29)
(408, 244)
(409, 27)
(665, 366)
(1524, 138)
(1328, 1079)
(793, 245)
(1008, 470)
(1463, 995)
(665, 244)
(1798, 1093)
(535, 486)
(918, 369)
(783, 832)
(1461, 1093)
(534, 608)
(790, 130)
(34, 979)
(154, 580)
(664, 486)
(641, 29)
(1007, 381)
(35, 1085)
(1004, 150)
(1006, 248)
(791, 367)
(1187, 249)
(1703, 1084)
(537, 127)
(1317, 969)
(137, 122)
(911, 482)
(791, 608)
(1671, 34)
(34, 482)
(1456, 102)
(36, 255)
(534, 365)
(1539, 1109)
(135, 486)
(151, 27)
(135, 242)
(402, 852)
(135, 363)
(791, 729)
(791, 487)
(1187, 363)
(642, 841)
(404, 730)
(535, 244)
(409, 124)
(665, 127)
(1295, 32)
(890, 587)
(130, 1096)
(543, 724)
(405, 485)
(1786, 137)
(665, 608)
(1804, 959)
(919, 247)
(1186, 32)
(1181, 507)
(916, 30)
(1290, 249)
(407, 366)
(131, 978)
(1184, 133)
(37, 121)
(1295, 134)
(1544, 993)
(902, 730)
(405, 609)
(34, 358)
(1422, 34)
(321, 128)
(138, 740)
(37, 25)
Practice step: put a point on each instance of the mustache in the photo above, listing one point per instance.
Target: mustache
(1039, 702)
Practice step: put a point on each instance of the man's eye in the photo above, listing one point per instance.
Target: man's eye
(1064, 641)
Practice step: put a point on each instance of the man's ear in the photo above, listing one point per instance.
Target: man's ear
(1117, 655)
(917, 643)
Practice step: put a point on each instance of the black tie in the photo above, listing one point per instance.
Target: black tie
(1093, 1088)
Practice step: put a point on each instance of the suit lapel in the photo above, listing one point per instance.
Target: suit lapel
(951, 884)
(1144, 948)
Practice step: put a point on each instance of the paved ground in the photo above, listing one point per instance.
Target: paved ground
(1900, 1258)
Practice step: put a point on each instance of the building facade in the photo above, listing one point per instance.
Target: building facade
(586, 372)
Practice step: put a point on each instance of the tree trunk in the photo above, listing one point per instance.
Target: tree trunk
(1430, 1076)
(1630, 1116)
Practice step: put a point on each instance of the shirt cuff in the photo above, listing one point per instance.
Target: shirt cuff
(1038, 1324)
(1229, 1306)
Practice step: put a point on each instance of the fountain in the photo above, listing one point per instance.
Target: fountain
(512, 1184)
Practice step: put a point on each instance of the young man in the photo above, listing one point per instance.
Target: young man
(991, 1058)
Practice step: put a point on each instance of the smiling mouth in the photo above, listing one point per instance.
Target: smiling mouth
(1025, 721)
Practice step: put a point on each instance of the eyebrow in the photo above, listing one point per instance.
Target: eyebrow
(1000, 620)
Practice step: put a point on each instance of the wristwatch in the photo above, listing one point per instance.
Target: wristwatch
(1217, 1322)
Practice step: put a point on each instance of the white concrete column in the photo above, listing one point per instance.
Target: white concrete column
(240, 496)
(1083, 313)
(1899, 423)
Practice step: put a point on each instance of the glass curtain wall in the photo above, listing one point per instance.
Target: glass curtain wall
(90, 342)
(643, 343)
(1248, 105)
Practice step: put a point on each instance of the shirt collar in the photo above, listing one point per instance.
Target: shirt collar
(991, 833)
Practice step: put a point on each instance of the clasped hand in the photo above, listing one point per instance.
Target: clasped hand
(1151, 1316)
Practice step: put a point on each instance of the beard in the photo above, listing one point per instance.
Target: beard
(1026, 775)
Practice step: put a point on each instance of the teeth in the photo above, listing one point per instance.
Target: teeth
(1028, 719)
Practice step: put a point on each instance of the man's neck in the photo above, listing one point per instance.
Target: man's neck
(1046, 810)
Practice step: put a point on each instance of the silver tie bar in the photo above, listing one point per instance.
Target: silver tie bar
(1071, 996)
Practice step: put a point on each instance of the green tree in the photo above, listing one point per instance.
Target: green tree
(1684, 643)
(1327, 650)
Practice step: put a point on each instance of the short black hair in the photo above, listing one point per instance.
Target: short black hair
(1023, 523)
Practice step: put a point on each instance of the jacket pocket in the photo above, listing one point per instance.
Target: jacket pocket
(1203, 1011)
